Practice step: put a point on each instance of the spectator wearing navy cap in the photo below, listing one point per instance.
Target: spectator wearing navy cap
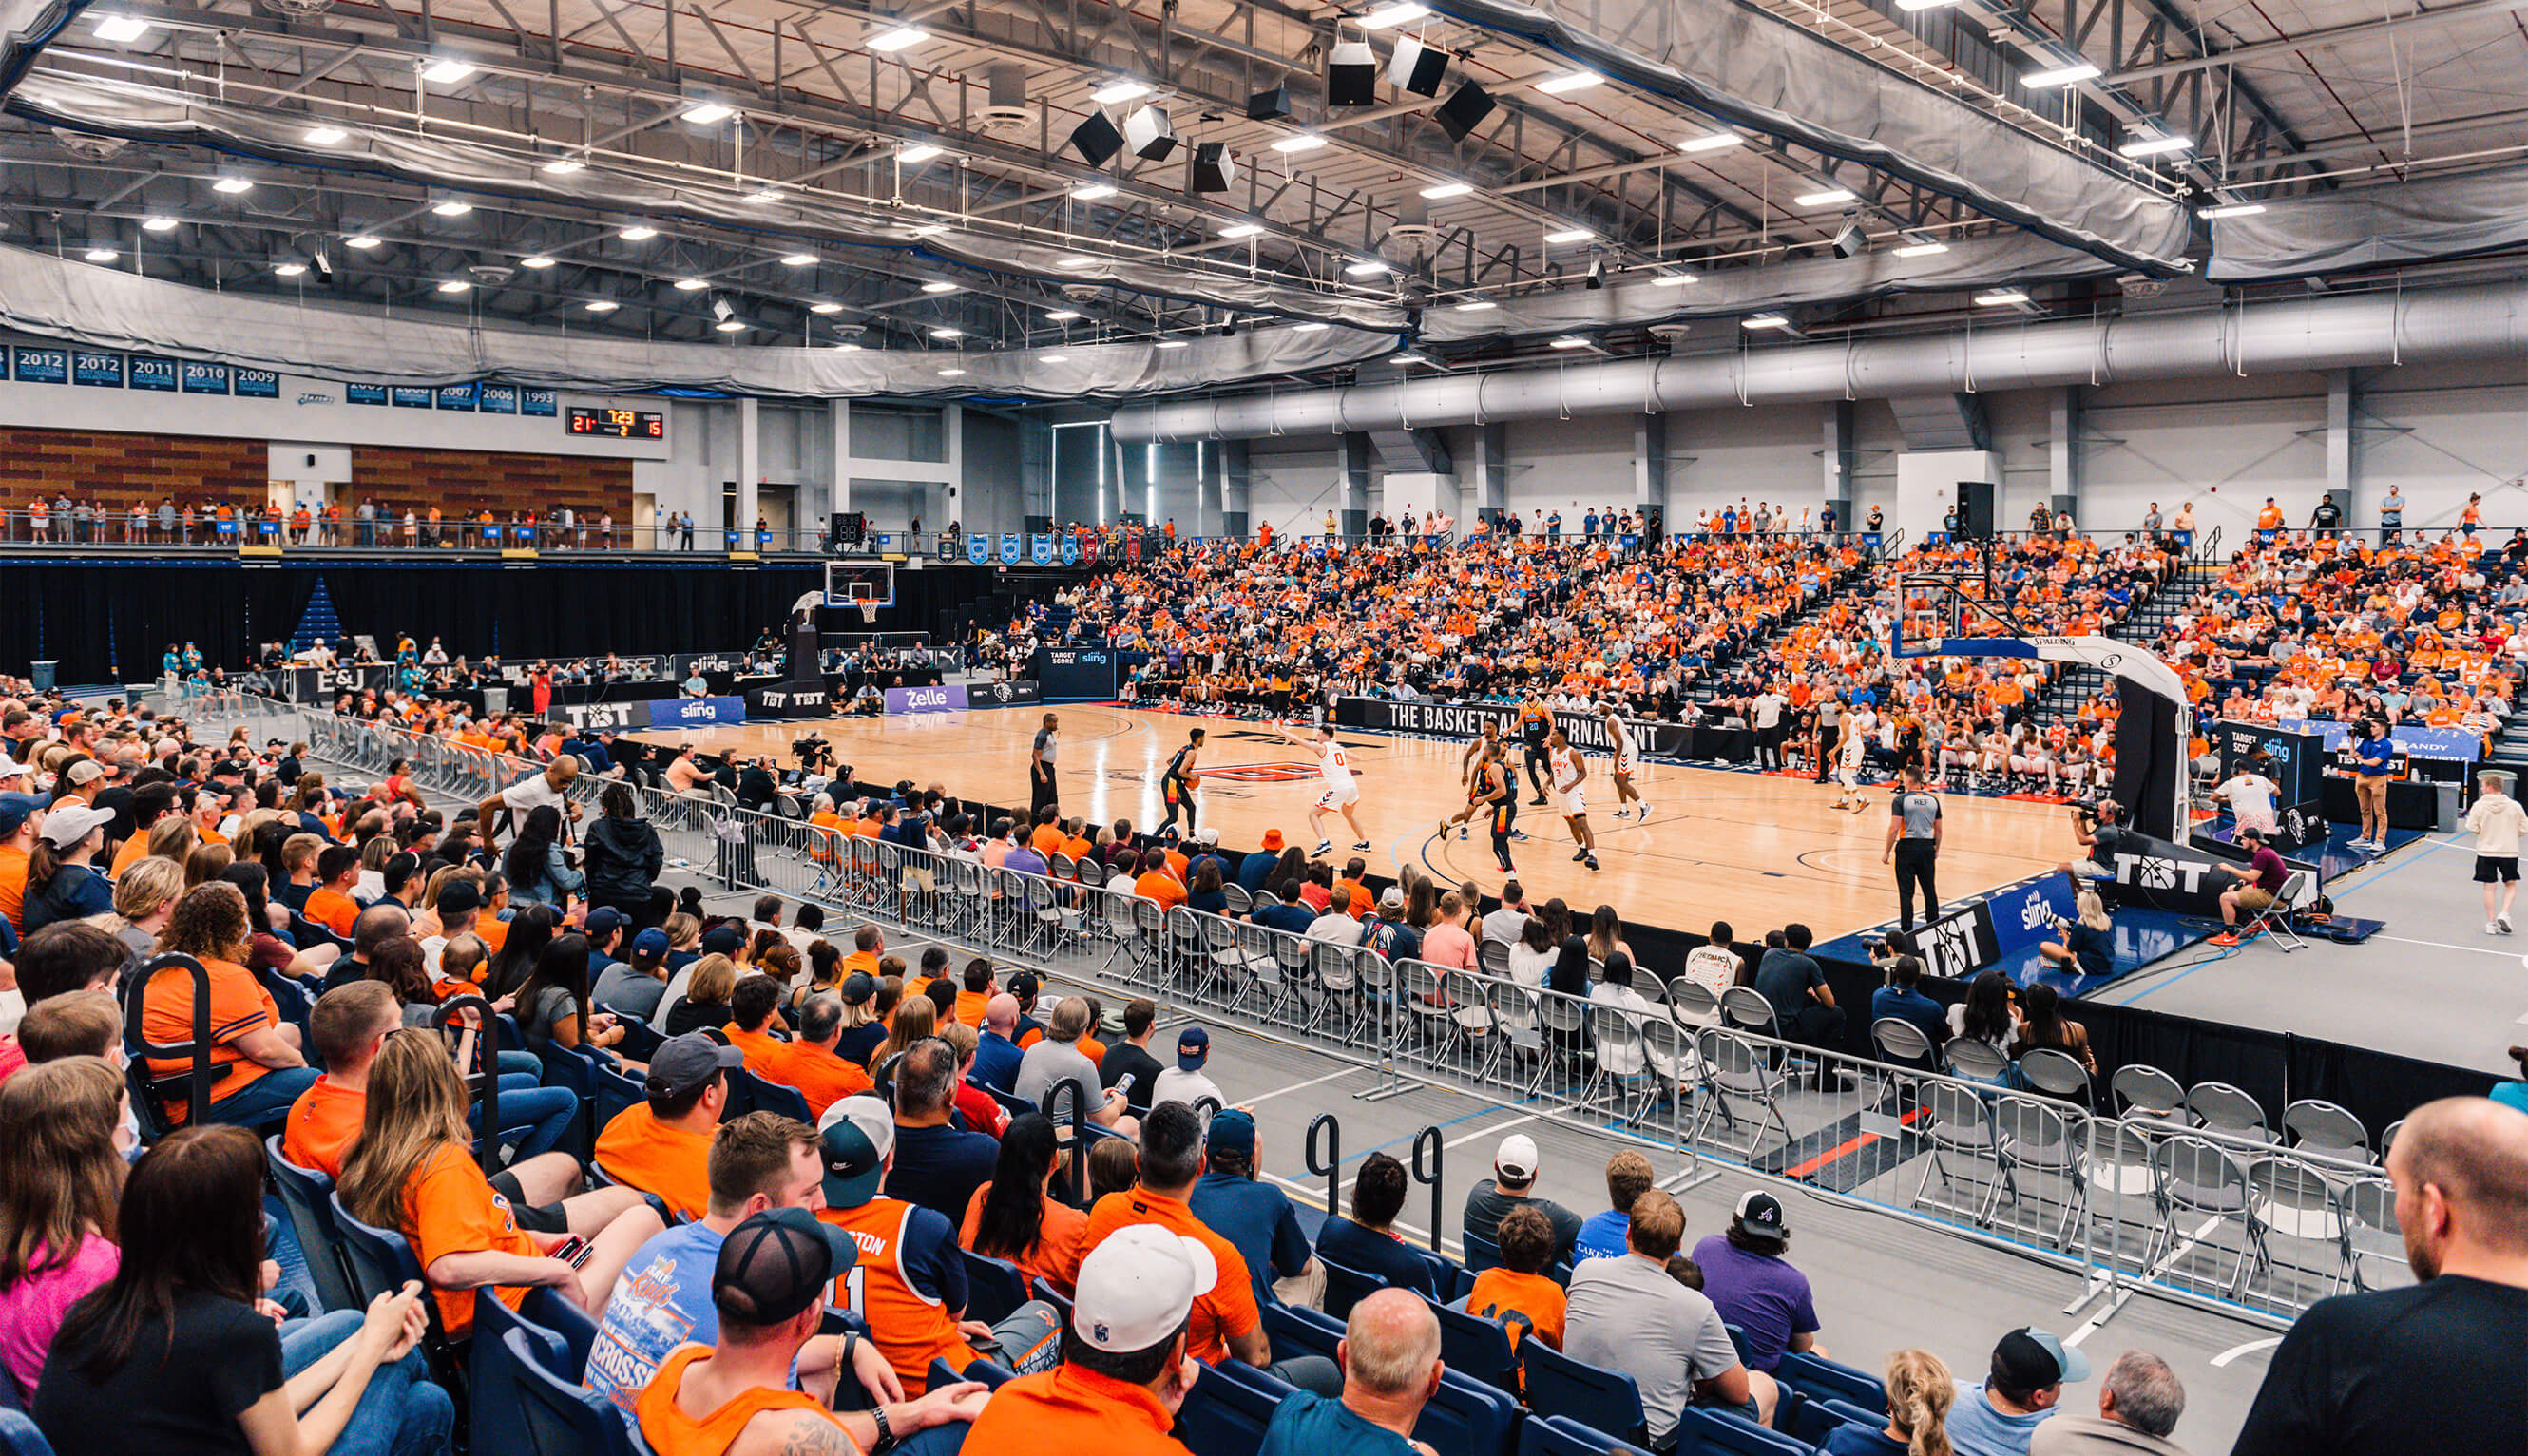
(604, 928)
(1747, 1278)
(634, 988)
(1185, 1082)
(1998, 1418)
(1251, 1214)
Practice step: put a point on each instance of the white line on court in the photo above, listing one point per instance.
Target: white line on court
(1343, 1071)
(2250, 1348)
(2441, 945)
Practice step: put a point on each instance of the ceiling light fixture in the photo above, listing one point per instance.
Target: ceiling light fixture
(944, 332)
(691, 284)
(1310, 328)
(1075, 261)
(454, 286)
(1052, 358)
(1671, 280)
(2001, 297)
(1393, 12)
(900, 37)
(826, 307)
(2155, 147)
(1570, 235)
(730, 326)
(162, 224)
(1570, 81)
(233, 185)
(2229, 210)
(1764, 321)
(1711, 141)
(1406, 358)
(1115, 92)
(565, 166)
(1367, 268)
(920, 152)
(763, 197)
(939, 285)
(1444, 190)
(118, 28)
(1911, 6)
(1094, 191)
(451, 209)
(950, 373)
(1570, 342)
(1831, 197)
(293, 268)
(1062, 316)
(535, 261)
(101, 254)
(708, 113)
(446, 73)
(1302, 142)
(2060, 76)
(1242, 229)
(638, 232)
(1477, 305)
(362, 241)
(325, 136)
(798, 260)
(601, 305)
(1173, 343)
(1921, 249)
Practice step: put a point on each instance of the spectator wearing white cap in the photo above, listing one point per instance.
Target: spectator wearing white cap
(1185, 1082)
(2029, 1368)
(1515, 1164)
(1390, 1355)
(1125, 1368)
(62, 883)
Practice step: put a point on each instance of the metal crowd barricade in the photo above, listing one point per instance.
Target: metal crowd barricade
(2151, 1201)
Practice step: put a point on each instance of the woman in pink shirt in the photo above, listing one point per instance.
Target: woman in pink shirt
(62, 1122)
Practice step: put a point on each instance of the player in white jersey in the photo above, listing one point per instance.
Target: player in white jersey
(1849, 753)
(1341, 790)
(1621, 740)
(1569, 772)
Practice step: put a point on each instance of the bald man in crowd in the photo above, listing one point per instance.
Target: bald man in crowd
(2434, 1367)
(1390, 1363)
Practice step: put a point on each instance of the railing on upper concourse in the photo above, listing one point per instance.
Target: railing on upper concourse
(2191, 1196)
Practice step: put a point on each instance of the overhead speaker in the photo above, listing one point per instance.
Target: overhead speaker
(1096, 139)
(1352, 74)
(1214, 170)
(1464, 111)
(1269, 106)
(1849, 242)
(1151, 134)
(1417, 68)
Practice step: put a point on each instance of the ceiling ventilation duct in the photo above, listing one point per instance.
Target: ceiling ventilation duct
(1007, 109)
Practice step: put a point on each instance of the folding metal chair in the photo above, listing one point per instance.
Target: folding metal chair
(2149, 1093)
(2038, 1138)
(2327, 1130)
(2372, 1236)
(2276, 918)
(1735, 1069)
(2194, 1175)
(2224, 1108)
(1958, 1120)
(2056, 1074)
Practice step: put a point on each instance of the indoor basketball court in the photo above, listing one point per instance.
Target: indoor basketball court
(1752, 849)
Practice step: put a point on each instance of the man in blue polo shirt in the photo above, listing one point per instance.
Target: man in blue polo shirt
(2375, 762)
(1249, 1213)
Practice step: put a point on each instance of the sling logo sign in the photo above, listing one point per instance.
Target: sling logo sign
(2034, 910)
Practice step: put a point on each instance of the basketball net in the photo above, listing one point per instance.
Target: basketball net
(868, 611)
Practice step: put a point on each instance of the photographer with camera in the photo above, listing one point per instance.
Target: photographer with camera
(2101, 834)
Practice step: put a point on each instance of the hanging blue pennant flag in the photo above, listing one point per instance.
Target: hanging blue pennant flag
(1010, 548)
(978, 548)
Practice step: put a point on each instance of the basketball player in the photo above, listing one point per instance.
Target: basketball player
(1470, 768)
(1619, 739)
(1177, 784)
(1849, 755)
(1535, 725)
(1570, 772)
(1341, 790)
(1497, 795)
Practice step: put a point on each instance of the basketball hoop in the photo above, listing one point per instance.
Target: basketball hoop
(868, 609)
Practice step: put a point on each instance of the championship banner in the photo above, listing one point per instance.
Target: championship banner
(1133, 547)
(949, 697)
(1089, 551)
(1070, 550)
(1040, 549)
(979, 549)
(1009, 549)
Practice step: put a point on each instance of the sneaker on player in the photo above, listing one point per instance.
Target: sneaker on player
(1324, 846)
(1591, 861)
(1518, 834)
(1360, 843)
(2492, 929)
(2503, 921)
(1583, 855)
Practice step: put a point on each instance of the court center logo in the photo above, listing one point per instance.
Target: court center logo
(1260, 773)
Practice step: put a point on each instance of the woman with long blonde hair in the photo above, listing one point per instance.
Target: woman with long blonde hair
(915, 1019)
(60, 1122)
(1920, 1392)
(413, 1170)
(143, 896)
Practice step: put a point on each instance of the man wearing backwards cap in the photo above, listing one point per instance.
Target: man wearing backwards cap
(1998, 1417)
(662, 1145)
(1125, 1368)
(909, 1284)
(733, 1398)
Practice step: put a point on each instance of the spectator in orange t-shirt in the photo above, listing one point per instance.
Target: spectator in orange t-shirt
(749, 1026)
(662, 1145)
(1516, 1292)
(823, 1076)
(868, 943)
(977, 996)
(330, 903)
(265, 1072)
(348, 1025)
(1153, 882)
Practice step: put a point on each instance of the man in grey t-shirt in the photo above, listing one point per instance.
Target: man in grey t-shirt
(1626, 1314)
(1056, 1058)
(1914, 843)
(1040, 789)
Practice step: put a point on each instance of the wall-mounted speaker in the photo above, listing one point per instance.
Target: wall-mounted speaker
(1417, 68)
(1096, 139)
(1464, 111)
(1151, 134)
(1352, 74)
(1213, 170)
(1269, 106)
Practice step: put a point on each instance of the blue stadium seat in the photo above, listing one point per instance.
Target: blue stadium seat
(575, 1071)
(993, 1288)
(1481, 1253)
(1558, 1436)
(1813, 1421)
(20, 1437)
(1711, 1433)
(1449, 1280)
(557, 1417)
(1223, 1416)
(1347, 1287)
(306, 1195)
(1477, 1348)
(615, 1092)
(1825, 1379)
(1469, 1416)
(748, 1093)
(1040, 1289)
(382, 1259)
(1300, 1332)
(941, 1373)
(496, 1403)
(1602, 1399)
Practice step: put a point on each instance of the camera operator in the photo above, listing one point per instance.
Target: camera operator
(2102, 836)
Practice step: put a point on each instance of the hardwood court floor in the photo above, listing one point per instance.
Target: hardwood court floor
(1756, 850)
